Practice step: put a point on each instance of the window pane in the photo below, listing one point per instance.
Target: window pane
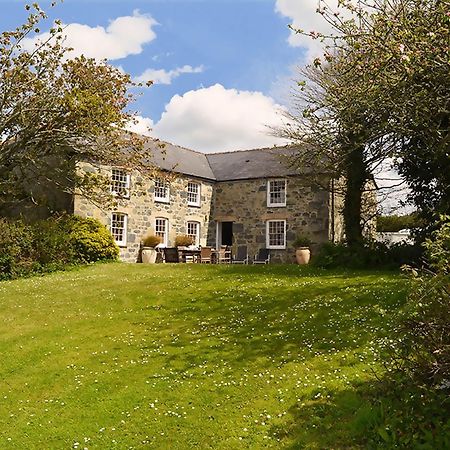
(193, 193)
(119, 182)
(118, 227)
(277, 192)
(161, 230)
(193, 230)
(276, 233)
(161, 190)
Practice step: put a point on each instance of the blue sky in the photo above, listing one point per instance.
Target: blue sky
(221, 67)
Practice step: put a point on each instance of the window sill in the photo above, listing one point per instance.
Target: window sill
(162, 200)
(194, 205)
(276, 247)
(276, 205)
(121, 197)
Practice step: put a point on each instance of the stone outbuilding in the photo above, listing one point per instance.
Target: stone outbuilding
(252, 198)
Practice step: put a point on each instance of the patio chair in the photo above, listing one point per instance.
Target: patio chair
(242, 256)
(262, 257)
(224, 255)
(171, 255)
(206, 255)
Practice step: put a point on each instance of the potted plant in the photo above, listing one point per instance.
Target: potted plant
(184, 241)
(149, 243)
(302, 251)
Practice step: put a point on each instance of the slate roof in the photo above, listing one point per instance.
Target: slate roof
(226, 166)
(247, 164)
(182, 160)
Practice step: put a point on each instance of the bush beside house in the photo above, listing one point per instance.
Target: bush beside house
(52, 244)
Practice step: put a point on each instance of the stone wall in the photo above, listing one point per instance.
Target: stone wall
(245, 204)
(142, 210)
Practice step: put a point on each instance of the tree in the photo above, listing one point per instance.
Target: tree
(402, 50)
(56, 112)
(332, 131)
(383, 93)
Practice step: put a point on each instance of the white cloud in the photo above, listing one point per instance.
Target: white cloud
(161, 76)
(216, 119)
(141, 125)
(124, 36)
(305, 17)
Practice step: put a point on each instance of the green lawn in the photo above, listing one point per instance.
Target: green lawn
(189, 356)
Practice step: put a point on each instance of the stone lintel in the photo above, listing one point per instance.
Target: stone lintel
(275, 216)
(226, 219)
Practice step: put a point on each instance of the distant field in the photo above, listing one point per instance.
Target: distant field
(189, 356)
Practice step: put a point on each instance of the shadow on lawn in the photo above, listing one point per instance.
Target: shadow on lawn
(283, 324)
(345, 420)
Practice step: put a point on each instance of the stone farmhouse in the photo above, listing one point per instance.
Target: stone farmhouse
(252, 198)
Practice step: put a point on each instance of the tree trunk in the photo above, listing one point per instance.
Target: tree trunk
(355, 180)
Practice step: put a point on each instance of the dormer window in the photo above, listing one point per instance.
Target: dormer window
(193, 194)
(276, 193)
(120, 183)
(162, 193)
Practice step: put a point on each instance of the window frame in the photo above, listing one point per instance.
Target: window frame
(276, 247)
(127, 183)
(199, 190)
(123, 242)
(270, 204)
(197, 235)
(165, 241)
(166, 186)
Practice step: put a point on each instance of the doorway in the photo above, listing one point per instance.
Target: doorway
(224, 234)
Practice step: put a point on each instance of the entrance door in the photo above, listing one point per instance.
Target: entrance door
(224, 234)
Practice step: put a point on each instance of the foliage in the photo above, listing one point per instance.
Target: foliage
(394, 222)
(16, 248)
(56, 112)
(370, 255)
(302, 241)
(184, 240)
(422, 350)
(47, 245)
(409, 416)
(90, 240)
(417, 354)
(438, 246)
(151, 240)
(183, 350)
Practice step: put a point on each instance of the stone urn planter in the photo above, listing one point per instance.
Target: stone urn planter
(148, 251)
(302, 255)
(302, 252)
(148, 255)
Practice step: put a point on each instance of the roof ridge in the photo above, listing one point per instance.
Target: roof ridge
(249, 150)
